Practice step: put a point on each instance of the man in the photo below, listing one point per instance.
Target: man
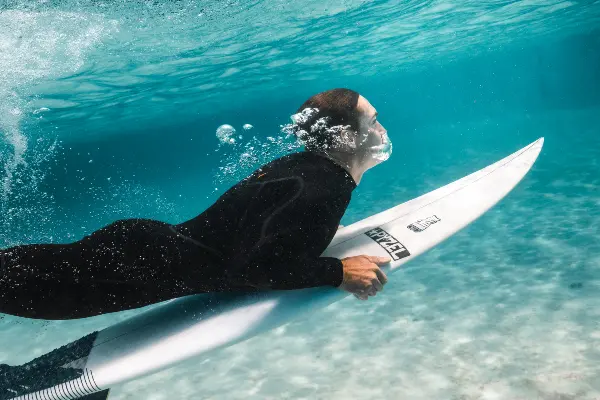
(267, 232)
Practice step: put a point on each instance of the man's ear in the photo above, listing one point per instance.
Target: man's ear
(349, 138)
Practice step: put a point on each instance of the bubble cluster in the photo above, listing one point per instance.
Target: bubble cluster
(240, 159)
(225, 133)
(337, 135)
(382, 152)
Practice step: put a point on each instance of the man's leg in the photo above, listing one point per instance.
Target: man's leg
(127, 264)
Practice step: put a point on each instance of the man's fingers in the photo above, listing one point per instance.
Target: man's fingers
(372, 291)
(377, 285)
(361, 296)
(381, 276)
(379, 260)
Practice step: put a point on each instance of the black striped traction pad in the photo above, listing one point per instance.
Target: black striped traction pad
(65, 364)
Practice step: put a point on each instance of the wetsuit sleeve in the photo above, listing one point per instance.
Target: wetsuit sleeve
(287, 256)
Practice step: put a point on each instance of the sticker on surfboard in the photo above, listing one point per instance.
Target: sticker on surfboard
(422, 224)
(388, 243)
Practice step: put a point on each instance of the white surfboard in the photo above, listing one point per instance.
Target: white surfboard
(198, 325)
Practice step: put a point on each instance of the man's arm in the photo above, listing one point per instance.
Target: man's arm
(269, 267)
(288, 254)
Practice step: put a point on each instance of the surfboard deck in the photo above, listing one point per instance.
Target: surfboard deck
(201, 324)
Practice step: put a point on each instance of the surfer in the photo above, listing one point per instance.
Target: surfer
(267, 232)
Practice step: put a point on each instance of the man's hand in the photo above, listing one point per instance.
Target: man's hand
(362, 275)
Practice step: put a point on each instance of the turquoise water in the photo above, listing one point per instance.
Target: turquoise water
(110, 110)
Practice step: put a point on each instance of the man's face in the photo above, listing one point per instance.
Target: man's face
(372, 136)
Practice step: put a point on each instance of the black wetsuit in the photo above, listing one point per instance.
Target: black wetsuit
(266, 232)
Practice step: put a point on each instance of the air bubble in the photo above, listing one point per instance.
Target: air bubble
(225, 133)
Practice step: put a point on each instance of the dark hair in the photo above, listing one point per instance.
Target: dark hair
(338, 107)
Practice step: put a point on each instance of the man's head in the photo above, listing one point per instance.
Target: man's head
(342, 121)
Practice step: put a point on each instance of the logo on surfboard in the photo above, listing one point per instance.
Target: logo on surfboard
(389, 243)
(423, 224)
